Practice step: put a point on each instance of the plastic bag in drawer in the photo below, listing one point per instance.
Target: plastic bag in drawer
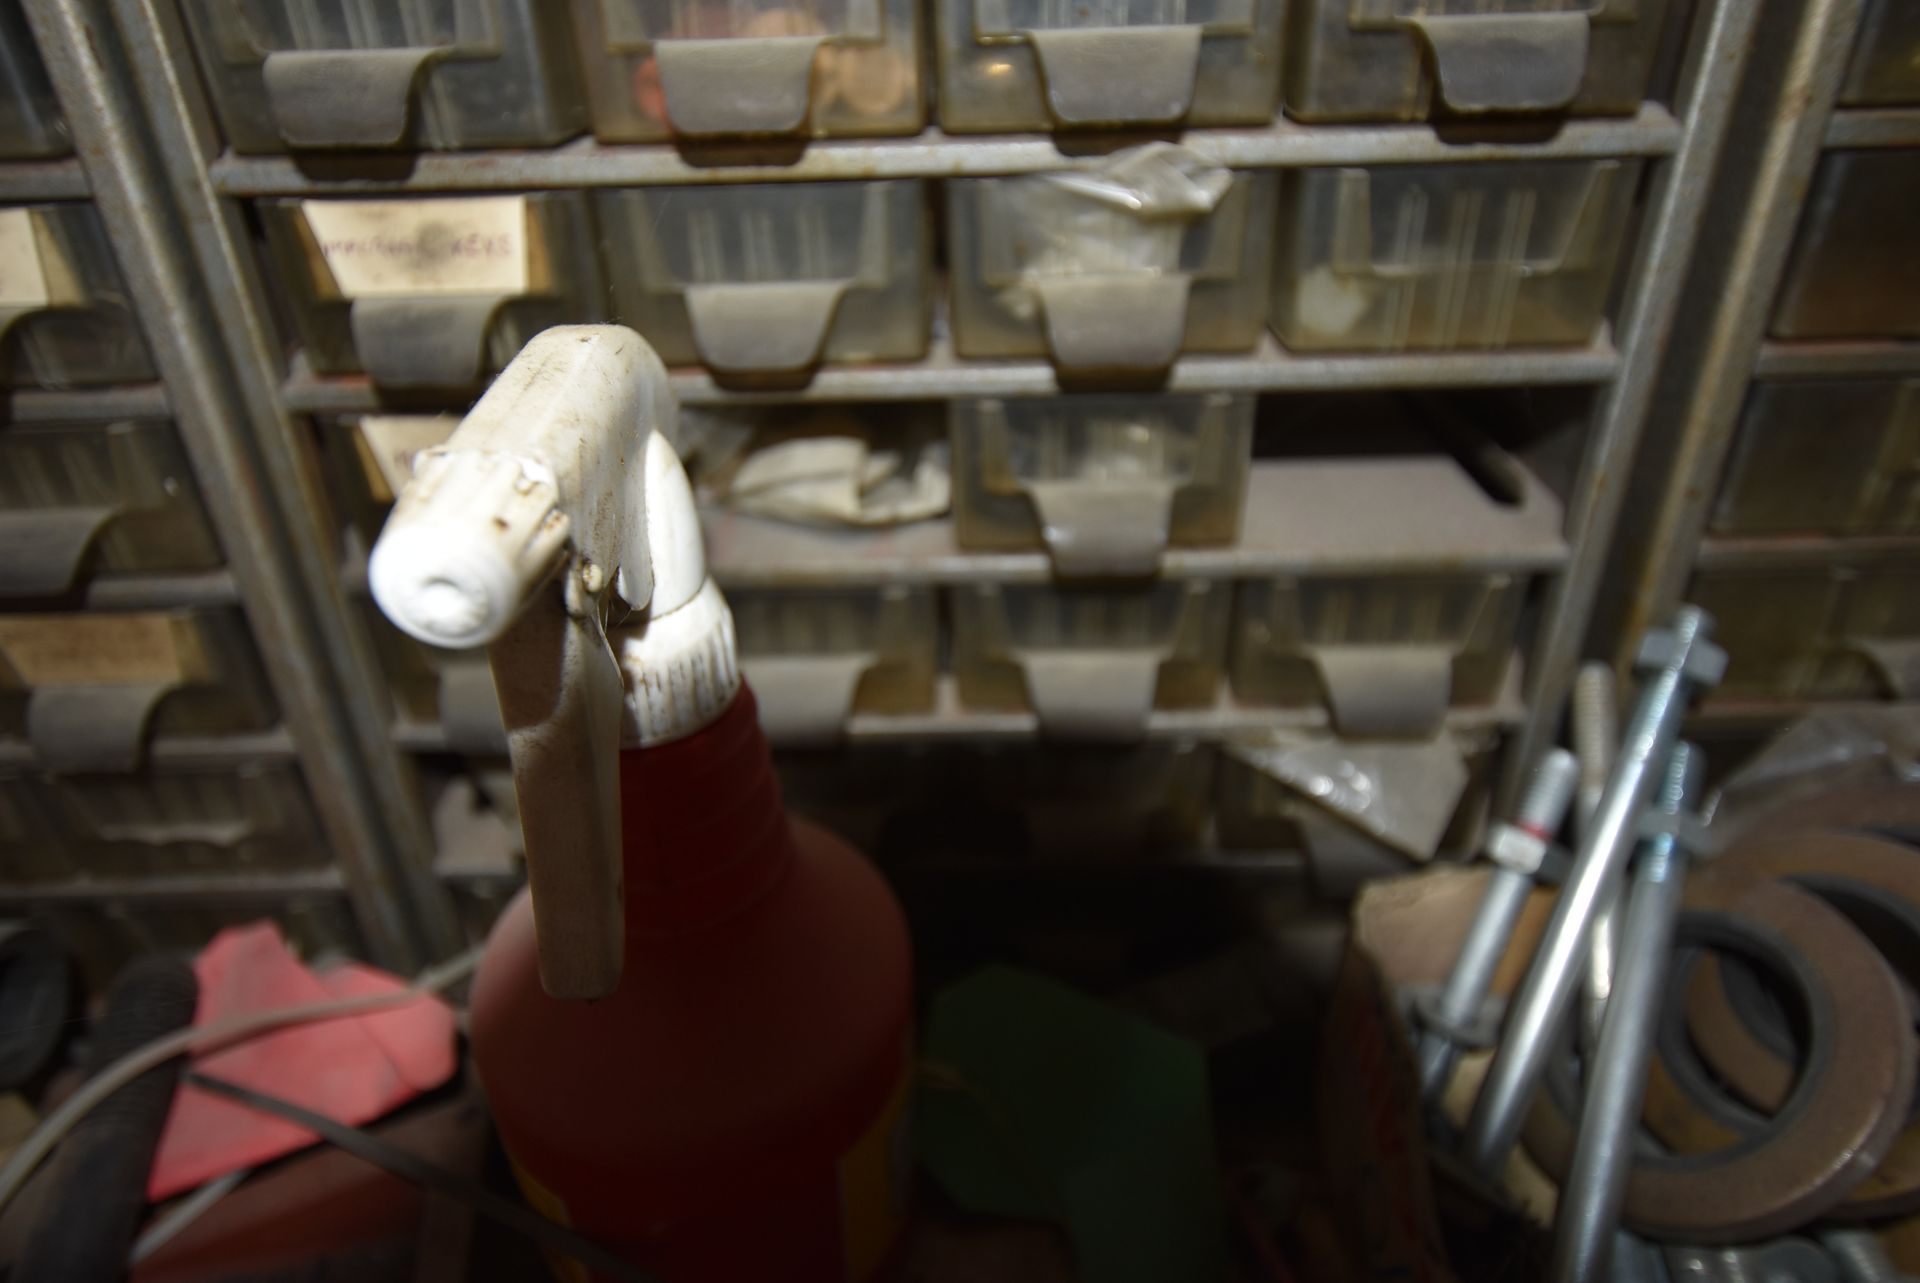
(115, 498)
(1104, 483)
(1841, 457)
(1059, 64)
(1449, 256)
(765, 281)
(1885, 70)
(65, 317)
(103, 939)
(435, 74)
(744, 68)
(1121, 267)
(814, 657)
(1387, 655)
(1411, 59)
(30, 122)
(87, 690)
(432, 291)
(158, 822)
(1829, 632)
(1854, 272)
(1091, 662)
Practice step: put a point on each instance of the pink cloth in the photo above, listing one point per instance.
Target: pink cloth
(353, 1069)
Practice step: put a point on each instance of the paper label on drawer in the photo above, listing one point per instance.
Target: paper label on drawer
(23, 278)
(389, 443)
(92, 650)
(410, 248)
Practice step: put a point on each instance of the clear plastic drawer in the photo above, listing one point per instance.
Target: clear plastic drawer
(1104, 483)
(1386, 656)
(75, 499)
(434, 74)
(1091, 662)
(1854, 273)
(1839, 457)
(1053, 265)
(814, 657)
(1010, 65)
(87, 690)
(1839, 632)
(1449, 256)
(1885, 71)
(1412, 59)
(158, 822)
(66, 319)
(432, 292)
(733, 68)
(30, 122)
(768, 280)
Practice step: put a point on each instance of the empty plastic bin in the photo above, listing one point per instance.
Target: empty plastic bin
(741, 68)
(1104, 483)
(215, 820)
(767, 280)
(1060, 64)
(1840, 457)
(1066, 266)
(1412, 59)
(1832, 632)
(433, 74)
(1854, 272)
(1385, 655)
(30, 122)
(1091, 662)
(1449, 256)
(75, 499)
(817, 656)
(1885, 70)
(66, 319)
(432, 292)
(88, 690)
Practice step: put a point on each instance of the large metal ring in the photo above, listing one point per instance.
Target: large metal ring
(1837, 1123)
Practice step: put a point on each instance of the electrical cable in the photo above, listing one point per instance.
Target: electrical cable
(198, 1040)
(431, 1176)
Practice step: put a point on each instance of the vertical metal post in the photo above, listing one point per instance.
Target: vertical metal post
(1646, 324)
(183, 256)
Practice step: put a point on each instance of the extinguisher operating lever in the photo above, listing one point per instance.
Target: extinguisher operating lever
(525, 533)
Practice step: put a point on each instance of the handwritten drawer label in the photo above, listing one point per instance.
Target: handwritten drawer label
(23, 279)
(94, 650)
(410, 248)
(389, 442)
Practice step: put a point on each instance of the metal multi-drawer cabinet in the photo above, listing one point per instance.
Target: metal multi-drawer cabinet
(914, 213)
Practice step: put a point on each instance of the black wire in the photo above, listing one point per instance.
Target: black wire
(411, 1167)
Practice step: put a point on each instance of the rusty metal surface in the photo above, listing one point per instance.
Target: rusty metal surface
(1837, 1126)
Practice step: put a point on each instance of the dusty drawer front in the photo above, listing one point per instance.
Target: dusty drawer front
(87, 690)
(1411, 59)
(432, 292)
(1839, 457)
(769, 280)
(76, 499)
(175, 821)
(701, 69)
(435, 74)
(1854, 272)
(1104, 483)
(1058, 64)
(1091, 662)
(815, 657)
(1838, 632)
(1046, 265)
(1386, 656)
(66, 319)
(1449, 256)
(1885, 70)
(30, 120)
